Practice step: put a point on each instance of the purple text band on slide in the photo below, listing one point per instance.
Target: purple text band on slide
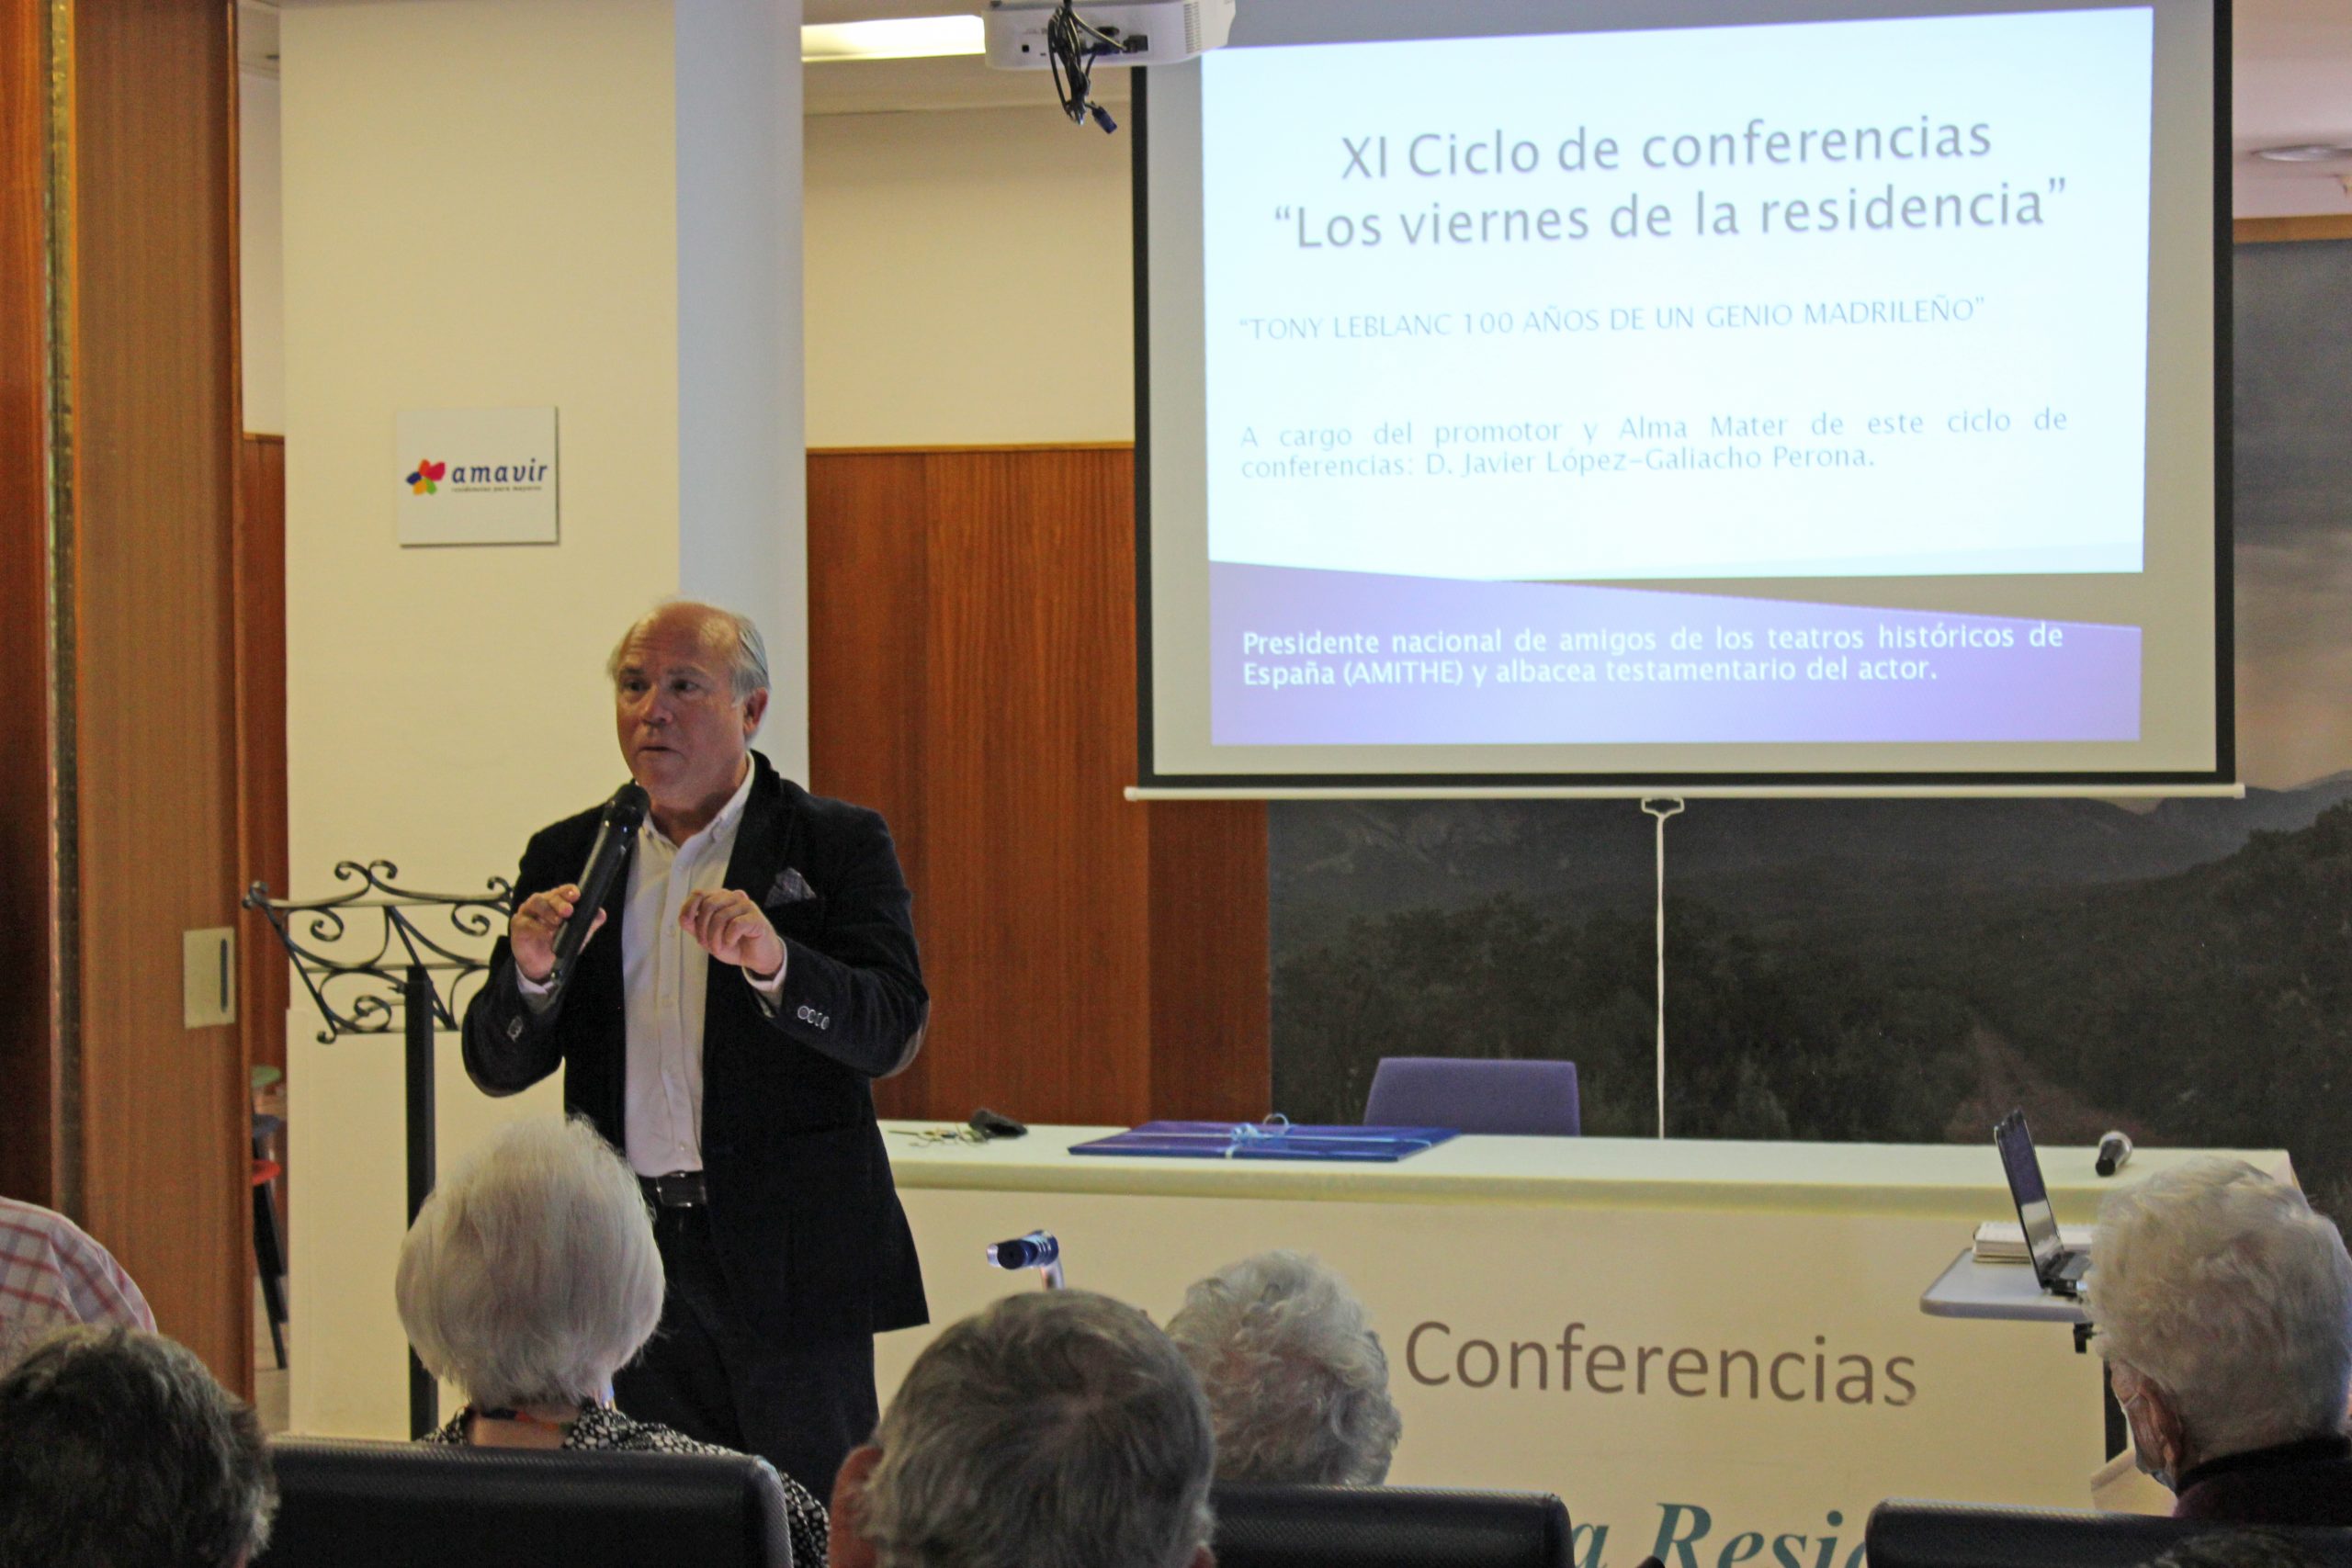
(1304, 658)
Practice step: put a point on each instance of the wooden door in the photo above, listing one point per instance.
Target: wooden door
(115, 575)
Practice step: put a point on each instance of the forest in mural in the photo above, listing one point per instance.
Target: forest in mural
(1908, 970)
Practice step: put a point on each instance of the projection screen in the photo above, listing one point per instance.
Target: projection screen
(1643, 395)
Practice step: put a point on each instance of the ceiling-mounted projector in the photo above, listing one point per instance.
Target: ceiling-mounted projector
(1122, 32)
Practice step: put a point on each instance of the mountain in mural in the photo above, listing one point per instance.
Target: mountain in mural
(1791, 860)
(2211, 1006)
(2201, 1002)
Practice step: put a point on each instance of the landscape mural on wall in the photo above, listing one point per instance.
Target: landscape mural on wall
(1906, 971)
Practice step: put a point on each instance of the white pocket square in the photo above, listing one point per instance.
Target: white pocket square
(789, 887)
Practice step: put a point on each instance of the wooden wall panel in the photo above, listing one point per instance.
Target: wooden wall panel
(867, 634)
(2270, 231)
(972, 667)
(164, 1136)
(1040, 929)
(263, 979)
(1211, 961)
(29, 1085)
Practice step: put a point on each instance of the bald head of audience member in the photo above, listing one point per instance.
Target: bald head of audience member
(1297, 1383)
(117, 1450)
(1053, 1429)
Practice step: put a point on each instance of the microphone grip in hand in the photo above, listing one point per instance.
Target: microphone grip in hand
(623, 815)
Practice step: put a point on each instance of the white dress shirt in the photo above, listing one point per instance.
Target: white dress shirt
(664, 978)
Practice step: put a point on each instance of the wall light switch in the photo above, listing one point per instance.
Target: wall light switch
(208, 977)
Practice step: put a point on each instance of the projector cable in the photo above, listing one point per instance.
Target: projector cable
(1072, 45)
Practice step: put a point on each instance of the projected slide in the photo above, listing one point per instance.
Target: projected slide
(1336, 658)
(1498, 329)
(1819, 299)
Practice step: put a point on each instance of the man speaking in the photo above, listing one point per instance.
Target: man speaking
(756, 968)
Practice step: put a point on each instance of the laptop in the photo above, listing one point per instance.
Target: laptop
(2059, 1267)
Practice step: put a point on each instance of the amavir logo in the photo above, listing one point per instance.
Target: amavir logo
(477, 476)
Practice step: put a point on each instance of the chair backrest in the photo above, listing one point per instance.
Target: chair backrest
(1388, 1527)
(1906, 1533)
(358, 1504)
(1474, 1096)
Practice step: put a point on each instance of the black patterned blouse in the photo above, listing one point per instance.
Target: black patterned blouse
(602, 1427)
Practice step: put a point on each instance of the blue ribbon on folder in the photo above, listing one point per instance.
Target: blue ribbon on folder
(1276, 1137)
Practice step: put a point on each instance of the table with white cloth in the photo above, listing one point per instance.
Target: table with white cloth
(1712, 1351)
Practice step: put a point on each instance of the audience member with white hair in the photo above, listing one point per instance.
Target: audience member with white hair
(529, 1277)
(2223, 1306)
(1297, 1380)
(117, 1450)
(1053, 1429)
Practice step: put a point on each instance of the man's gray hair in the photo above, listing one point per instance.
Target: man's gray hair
(2222, 1287)
(736, 637)
(1298, 1382)
(1053, 1429)
(530, 1275)
(117, 1450)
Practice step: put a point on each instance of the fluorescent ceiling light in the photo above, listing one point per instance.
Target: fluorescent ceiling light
(896, 38)
(2304, 153)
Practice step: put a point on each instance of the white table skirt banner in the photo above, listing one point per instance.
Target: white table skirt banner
(1714, 1352)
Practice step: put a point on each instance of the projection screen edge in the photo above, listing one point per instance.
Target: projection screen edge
(2192, 685)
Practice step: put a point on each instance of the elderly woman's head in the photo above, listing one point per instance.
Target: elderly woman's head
(530, 1275)
(1050, 1428)
(1297, 1380)
(2223, 1306)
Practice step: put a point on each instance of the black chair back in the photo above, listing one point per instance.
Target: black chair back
(358, 1504)
(1904, 1533)
(1388, 1527)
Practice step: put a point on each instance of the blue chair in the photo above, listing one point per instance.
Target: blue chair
(1528, 1099)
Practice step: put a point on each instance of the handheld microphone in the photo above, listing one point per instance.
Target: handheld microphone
(624, 814)
(1032, 1251)
(1037, 1251)
(2114, 1148)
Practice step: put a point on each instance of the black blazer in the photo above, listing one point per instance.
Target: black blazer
(805, 1220)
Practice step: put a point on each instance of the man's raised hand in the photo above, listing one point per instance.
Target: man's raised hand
(731, 929)
(538, 921)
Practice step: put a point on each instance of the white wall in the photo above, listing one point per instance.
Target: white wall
(480, 205)
(590, 203)
(969, 280)
(483, 207)
(261, 306)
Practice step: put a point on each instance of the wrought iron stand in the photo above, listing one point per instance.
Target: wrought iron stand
(360, 986)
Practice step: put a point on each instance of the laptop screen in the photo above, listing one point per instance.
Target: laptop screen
(2024, 1173)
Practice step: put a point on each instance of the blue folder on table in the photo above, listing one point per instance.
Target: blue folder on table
(1274, 1139)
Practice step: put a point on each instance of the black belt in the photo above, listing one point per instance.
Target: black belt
(679, 1189)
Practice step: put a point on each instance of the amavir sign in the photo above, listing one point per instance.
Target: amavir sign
(478, 477)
